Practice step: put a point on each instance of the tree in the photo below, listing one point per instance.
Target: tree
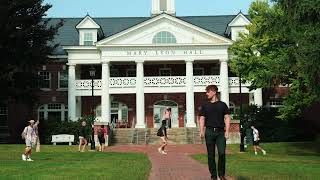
(26, 40)
(282, 47)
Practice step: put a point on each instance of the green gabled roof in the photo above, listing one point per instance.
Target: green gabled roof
(68, 34)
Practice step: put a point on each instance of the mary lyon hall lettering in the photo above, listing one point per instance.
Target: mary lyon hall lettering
(164, 52)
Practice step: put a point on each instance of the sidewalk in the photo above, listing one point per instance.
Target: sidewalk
(176, 165)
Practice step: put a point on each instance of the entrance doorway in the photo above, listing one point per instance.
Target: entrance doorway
(158, 110)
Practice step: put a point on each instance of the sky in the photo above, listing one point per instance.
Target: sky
(142, 8)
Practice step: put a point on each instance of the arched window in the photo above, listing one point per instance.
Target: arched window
(53, 111)
(158, 109)
(164, 37)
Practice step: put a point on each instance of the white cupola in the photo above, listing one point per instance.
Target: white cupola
(163, 6)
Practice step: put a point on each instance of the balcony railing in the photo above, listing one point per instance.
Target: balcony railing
(158, 81)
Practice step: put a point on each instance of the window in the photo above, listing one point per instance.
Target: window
(164, 37)
(158, 109)
(198, 71)
(88, 39)
(114, 72)
(53, 112)
(45, 79)
(63, 79)
(274, 103)
(165, 71)
(131, 73)
(118, 111)
(215, 69)
(3, 115)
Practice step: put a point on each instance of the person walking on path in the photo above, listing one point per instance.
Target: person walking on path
(167, 116)
(214, 125)
(83, 136)
(256, 141)
(162, 132)
(30, 136)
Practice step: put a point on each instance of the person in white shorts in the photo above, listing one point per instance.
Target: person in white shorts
(256, 141)
(30, 136)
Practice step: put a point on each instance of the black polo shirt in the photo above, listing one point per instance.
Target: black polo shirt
(214, 113)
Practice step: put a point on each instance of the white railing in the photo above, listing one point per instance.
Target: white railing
(234, 81)
(122, 82)
(158, 81)
(206, 80)
(165, 81)
(86, 84)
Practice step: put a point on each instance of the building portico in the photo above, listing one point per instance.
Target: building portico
(142, 45)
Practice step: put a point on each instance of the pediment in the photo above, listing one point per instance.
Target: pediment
(87, 23)
(184, 32)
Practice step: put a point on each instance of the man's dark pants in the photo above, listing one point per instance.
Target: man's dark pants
(216, 137)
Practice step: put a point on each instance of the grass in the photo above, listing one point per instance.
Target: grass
(283, 161)
(64, 162)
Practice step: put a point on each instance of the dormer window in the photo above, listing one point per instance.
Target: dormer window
(88, 39)
(164, 37)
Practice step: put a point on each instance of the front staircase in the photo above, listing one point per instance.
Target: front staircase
(149, 136)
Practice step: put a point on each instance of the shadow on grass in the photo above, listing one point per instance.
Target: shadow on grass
(242, 178)
(304, 148)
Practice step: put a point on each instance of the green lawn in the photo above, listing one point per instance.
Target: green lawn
(283, 161)
(64, 162)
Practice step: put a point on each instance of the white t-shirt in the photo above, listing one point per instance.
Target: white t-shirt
(255, 134)
(30, 133)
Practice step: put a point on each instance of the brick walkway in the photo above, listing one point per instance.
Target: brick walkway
(176, 165)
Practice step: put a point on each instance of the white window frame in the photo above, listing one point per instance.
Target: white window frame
(161, 70)
(49, 79)
(160, 38)
(45, 109)
(86, 38)
(59, 79)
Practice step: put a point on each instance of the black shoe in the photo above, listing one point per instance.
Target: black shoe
(222, 178)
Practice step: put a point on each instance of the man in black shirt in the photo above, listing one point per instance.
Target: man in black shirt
(215, 116)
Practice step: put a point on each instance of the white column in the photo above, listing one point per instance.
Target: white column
(224, 81)
(140, 117)
(78, 107)
(105, 96)
(72, 92)
(189, 94)
(251, 98)
(258, 97)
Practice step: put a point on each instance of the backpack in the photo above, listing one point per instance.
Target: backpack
(100, 133)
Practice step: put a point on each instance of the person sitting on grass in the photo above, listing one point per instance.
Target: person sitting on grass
(256, 141)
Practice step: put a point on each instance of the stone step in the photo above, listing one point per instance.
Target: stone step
(149, 136)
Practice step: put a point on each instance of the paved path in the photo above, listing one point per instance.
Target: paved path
(176, 165)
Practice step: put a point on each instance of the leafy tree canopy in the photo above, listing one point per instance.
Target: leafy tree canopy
(282, 48)
(25, 42)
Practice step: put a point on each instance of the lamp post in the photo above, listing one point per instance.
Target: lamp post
(240, 116)
(92, 72)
